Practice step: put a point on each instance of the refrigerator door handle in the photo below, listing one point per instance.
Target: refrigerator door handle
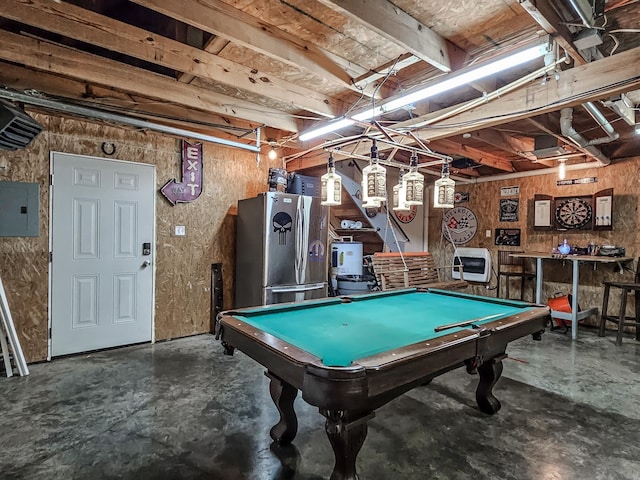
(297, 288)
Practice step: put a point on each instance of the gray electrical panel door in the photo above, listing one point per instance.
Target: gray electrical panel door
(19, 209)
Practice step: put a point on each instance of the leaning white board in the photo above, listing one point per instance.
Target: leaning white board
(6, 324)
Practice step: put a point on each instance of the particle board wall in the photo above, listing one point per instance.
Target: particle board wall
(183, 264)
(484, 201)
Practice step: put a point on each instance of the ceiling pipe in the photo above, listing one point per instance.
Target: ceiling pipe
(583, 9)
(601, 120)
(125, 120)
(533, 173)
(566, 127)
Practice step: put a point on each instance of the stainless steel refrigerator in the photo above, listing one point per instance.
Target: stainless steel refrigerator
(281, 249)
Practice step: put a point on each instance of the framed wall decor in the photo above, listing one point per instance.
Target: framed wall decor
(507, 236)
(543, 216)
(603, 206)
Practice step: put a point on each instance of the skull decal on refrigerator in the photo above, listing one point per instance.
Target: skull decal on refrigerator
(282, 223)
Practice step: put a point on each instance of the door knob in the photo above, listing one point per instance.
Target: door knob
(146, 263)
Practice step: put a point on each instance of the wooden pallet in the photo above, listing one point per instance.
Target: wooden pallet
(412, 269)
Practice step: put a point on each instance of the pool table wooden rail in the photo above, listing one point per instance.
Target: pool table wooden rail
(348, 396)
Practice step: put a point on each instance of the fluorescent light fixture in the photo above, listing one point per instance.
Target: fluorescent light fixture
(330, 127)
(456, 80)
(450, 82)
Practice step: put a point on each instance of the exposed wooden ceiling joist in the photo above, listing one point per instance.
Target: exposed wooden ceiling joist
(225, 21)
(590, 82)
(95, 29)
(77, 92)
(545, 15)
(593, 81)
(451, 147)
(83, 66)
(399, 27)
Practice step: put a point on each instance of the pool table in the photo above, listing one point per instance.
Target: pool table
(351, 355)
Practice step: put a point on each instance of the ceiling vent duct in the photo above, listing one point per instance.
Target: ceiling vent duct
(545, 146)
(17, 129)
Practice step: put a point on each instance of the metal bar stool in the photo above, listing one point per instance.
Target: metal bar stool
(621, 318)
(511, 267)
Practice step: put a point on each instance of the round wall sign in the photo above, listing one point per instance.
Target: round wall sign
(459, 225)
(406, 216)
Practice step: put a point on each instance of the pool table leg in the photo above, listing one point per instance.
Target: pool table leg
(489, 371)
(346, 436)
(283, 395)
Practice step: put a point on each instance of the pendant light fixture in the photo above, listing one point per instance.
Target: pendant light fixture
(413, 183)
(374, 178)
(562, 169)
(331, 185)
(399, 194)
(444, 189)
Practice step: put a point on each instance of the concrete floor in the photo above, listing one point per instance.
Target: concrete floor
(182, 410)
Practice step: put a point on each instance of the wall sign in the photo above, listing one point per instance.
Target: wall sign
(461, 197)
(190, 187)
(459, 225)
(509, 191)
(509, 209)
(507, 236)
(406, 216)
(576, 181)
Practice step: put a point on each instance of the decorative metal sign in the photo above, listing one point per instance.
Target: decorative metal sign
(576, 181)
(509, 191)
(459, 225)
(509, 209)
(190, 187)
(461, 197)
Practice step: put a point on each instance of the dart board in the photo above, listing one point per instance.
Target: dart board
(572, 213)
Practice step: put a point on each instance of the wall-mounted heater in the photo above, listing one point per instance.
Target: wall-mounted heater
(476, 264)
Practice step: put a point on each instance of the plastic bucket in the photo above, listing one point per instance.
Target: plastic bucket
(561, 303)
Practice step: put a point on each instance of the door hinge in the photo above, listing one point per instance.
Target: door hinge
(49, 333)
(50, 257)
(51, 179)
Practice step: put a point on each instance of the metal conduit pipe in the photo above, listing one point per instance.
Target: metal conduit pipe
(601, 120)
(583, 12)
(566, 127)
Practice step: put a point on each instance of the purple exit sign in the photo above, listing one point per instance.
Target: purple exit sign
(190, 187)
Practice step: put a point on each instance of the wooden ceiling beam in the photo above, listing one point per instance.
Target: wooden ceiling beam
(243, 29)
(99, 70)
(522, 147)
(591, 82)
(92, 96)
(396, 25)
(586, 83)
(545, 15)
(92, 28)
(451, 147)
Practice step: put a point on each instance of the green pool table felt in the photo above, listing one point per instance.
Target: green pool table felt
(340, 333)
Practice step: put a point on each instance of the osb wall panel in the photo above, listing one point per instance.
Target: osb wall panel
(484, 201)
(183, 264)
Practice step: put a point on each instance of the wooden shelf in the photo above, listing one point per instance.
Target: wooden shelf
(355, 230)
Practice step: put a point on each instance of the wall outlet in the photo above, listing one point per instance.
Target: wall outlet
(180, 231)
(488, 233)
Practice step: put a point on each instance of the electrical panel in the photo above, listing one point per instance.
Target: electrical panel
(20, 207)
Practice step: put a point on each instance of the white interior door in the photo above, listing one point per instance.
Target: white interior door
(102, 278)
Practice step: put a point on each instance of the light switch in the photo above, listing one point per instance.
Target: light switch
(180, 230)
(488, 233)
